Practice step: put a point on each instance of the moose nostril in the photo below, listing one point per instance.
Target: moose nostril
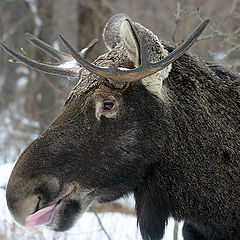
(38, 204)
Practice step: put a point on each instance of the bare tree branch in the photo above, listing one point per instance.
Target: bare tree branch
(101, 225)
(175, 231)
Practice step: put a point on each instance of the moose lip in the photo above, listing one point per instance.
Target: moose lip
(40, 217)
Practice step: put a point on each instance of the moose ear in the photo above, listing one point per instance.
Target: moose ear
(120, 28)
(153, 210)
(111, 32)
(130, 41)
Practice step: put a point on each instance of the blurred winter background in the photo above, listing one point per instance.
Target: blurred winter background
(29, 100)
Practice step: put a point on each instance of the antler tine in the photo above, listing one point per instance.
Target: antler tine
(144, 54)
(55, 70)
(58, 55)
(146, 68)
(81, 60)
(178, 52)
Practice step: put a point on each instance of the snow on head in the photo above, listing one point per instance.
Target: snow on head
(69, 64)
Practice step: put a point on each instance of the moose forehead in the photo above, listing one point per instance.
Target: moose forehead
(88, 81)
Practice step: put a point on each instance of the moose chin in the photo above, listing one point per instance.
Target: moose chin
(144, 118)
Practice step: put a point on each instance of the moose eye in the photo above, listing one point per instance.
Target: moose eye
(108, 106)
(108, 109)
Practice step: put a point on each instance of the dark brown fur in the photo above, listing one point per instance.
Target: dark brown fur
(181, 157)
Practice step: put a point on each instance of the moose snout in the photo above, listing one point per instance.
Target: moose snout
(26, 197)
(21, 207)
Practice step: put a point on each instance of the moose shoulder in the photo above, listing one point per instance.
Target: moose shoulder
(144, 118)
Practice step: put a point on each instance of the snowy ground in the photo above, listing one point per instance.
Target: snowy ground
(118, 226)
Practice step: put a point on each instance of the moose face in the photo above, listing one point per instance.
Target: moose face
(90, 152)
(100, 147)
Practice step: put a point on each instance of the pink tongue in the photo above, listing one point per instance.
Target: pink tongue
(40, 217)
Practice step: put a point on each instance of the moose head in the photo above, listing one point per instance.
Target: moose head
(136, 122)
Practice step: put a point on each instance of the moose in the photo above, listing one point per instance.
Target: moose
(145, 118)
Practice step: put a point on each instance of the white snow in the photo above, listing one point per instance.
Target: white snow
(39, 97)
(5, 171)
(56, 45)
(69, 64)
(22, 82)
(36, 18)
(219, 56)
(16, 131)
(2, 78)
(127, 202)
(22, 69)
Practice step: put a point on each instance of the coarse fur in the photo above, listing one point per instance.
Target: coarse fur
(173, 141)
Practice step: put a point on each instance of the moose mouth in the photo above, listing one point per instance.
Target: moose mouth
(42, 216)
(60, 216)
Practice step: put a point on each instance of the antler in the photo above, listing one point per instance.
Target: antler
(58, 55)
(146, 68)
(67, 65)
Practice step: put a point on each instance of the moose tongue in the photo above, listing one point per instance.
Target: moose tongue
(40, 217)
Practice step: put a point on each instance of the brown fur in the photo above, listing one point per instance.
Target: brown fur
(180, 157)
